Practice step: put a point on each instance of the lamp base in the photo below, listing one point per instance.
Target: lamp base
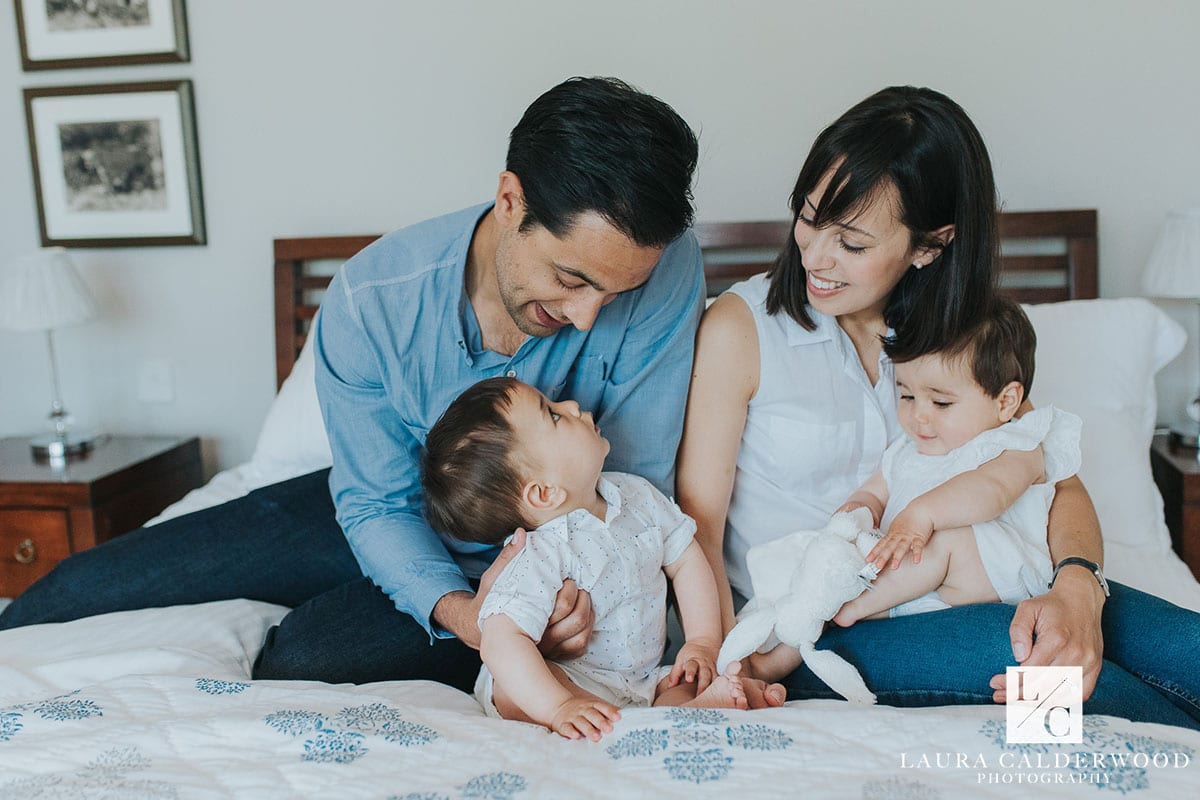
(1186, 435)
(51, 446)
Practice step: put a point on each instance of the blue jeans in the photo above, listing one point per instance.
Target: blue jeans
(1151, 670)
(281, 544)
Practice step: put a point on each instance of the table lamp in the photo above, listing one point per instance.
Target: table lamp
(43, 292)
(1174, 271)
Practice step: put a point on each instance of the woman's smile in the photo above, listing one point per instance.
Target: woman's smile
(822, 285)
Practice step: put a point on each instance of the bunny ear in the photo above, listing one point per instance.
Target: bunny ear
(838, 674)
(750, 632)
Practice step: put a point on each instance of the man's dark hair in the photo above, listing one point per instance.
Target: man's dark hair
(1000, 344)
(598, 144)
(471, 482)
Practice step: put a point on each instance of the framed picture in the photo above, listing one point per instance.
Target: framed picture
(56, 34)
(116, 165)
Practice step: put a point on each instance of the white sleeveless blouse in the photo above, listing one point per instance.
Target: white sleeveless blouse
(815, 431)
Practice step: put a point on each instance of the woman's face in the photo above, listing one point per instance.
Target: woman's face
(852, 266)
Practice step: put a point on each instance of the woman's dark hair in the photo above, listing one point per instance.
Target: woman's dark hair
(922, 143)
(1000, 347)
(471, 483)
(598, 144)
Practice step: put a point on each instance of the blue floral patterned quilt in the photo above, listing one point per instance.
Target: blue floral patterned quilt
(157, 704)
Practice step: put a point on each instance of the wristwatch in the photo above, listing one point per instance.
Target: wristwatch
(1091, 566)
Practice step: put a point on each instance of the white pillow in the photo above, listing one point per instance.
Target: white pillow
(292, 440)
(1097, 358)
(215, 640)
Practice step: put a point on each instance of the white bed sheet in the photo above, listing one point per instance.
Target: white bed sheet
(158, 704)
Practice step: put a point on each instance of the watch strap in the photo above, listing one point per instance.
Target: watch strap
(1091, 567)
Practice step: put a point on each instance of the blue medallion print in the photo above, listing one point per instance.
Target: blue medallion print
(110, 774)
(699, 746)
(60, 708)
(896, 789)
(343, 737)
(215, 686)
(491, 786)
(1107, 758)
(10, 723)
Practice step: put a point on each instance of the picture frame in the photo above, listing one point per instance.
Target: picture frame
(116, 165)
(60, 34)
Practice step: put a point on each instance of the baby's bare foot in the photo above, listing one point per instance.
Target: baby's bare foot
(726, 691)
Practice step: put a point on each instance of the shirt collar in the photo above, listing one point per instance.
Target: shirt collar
(823, 332)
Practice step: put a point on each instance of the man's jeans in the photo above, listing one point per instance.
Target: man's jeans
(281, 544)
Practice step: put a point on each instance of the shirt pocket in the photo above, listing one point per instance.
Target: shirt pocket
(584, 380)
(811, 459)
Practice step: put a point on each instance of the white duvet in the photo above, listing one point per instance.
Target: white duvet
(158, 704)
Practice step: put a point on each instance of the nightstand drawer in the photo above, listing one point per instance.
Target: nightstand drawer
(32, 541)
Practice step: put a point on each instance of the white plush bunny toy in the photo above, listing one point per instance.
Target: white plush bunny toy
(800, 581)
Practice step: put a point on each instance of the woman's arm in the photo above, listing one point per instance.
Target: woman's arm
(724, 379)
(1062, 627)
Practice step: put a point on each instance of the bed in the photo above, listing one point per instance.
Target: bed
(159, 703)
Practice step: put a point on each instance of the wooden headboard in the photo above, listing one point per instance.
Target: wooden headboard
(1047, 256)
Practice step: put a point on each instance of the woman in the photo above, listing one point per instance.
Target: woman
(792, 404)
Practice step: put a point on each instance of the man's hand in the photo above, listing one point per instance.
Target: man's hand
(910, 530)
(567, 631)
(1059, 628)
(570, 625)
(696, 663)
(458, 612)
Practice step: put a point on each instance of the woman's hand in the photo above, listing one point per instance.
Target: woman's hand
(1059, 628)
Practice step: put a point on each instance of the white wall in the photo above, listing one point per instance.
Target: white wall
(365, 115)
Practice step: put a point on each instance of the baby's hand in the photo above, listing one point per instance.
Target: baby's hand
(910, 530)
(696, 663)
(851, 505)
(584, 716)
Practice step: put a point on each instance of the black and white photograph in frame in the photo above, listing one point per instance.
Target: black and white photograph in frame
(57, 34)
(116, 164)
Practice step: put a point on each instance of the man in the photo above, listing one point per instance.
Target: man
(581, 278)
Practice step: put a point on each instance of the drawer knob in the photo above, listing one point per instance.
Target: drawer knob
(26, 552)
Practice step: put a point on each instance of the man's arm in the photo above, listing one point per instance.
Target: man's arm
(642, 406)
(375, 481)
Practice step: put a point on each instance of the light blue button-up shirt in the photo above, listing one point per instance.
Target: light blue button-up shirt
(397, 341)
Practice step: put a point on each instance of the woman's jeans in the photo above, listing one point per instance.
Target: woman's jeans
(281, 544)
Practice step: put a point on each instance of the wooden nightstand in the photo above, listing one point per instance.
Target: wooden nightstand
(46, 513)
(1177, 473)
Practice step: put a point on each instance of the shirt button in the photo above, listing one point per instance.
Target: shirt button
(512, 373)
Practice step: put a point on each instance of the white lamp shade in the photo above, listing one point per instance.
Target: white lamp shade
(42, 291)
(1174, 266)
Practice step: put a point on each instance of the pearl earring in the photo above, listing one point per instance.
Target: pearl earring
(917, 265)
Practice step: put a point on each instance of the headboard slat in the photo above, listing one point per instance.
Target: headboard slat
(1049, 256)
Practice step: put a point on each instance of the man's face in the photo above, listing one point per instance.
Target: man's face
(547, 282)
